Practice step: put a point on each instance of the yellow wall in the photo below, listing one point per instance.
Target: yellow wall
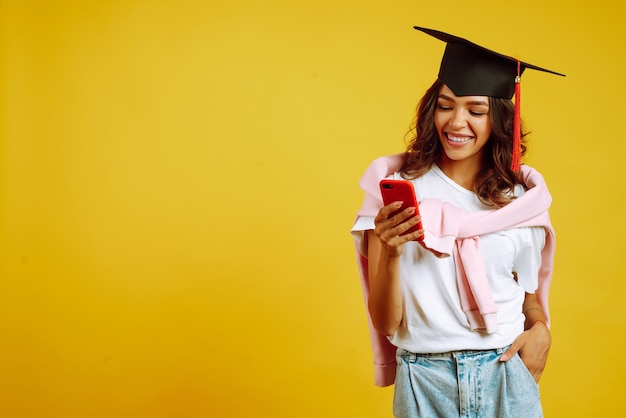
(178, 179)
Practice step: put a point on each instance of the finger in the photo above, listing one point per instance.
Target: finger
(401, 216)
(398, 240)
(385, 211)
(383, 214)
(388, 231)
(510, 352)
(387, 219)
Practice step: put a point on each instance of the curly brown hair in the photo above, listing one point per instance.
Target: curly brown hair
(496, 180)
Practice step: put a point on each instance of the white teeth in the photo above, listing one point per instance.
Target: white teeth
(458, 138)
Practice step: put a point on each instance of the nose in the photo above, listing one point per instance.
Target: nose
(458, 119)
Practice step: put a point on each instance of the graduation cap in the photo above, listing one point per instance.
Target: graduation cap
(469, 69)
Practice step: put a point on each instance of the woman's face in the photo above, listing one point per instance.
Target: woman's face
(463, 125)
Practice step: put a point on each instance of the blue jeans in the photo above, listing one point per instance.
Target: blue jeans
(464, 384)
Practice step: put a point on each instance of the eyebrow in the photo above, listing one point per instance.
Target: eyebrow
(476, 102)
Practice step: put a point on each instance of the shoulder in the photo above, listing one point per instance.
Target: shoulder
(527, 237)
(531, 177)
(381, 168)
(387, 164)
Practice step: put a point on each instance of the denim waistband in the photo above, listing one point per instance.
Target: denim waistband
(452, 354)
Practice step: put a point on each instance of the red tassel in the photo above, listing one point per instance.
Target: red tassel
(517, 134)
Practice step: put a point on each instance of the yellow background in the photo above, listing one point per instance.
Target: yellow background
(178, 178)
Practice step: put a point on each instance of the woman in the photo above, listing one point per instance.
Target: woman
(459, 321)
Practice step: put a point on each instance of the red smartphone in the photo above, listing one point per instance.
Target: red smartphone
(401, 190)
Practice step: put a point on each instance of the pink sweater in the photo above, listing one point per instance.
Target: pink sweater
(454, 232)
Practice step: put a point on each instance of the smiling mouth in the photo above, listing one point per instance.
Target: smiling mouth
(458, 139)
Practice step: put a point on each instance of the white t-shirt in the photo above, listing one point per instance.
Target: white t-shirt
(433, 321)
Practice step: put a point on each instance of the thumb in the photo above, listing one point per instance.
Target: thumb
(510, 352)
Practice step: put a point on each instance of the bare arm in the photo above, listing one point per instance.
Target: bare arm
(384, 249)
(533, 311)
(385, 300)
(534, 343)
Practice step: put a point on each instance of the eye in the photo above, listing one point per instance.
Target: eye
(443, 108)
(477, 113)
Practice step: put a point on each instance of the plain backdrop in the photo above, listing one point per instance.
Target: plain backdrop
(178, 180)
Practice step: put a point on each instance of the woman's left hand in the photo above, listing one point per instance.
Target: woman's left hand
(533, 346)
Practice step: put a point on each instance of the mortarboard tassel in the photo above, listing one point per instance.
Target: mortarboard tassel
(517, 148)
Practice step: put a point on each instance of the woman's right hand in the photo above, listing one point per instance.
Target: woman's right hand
(390, 225)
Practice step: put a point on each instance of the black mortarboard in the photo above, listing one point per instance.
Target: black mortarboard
(469, 69)
(472, 70)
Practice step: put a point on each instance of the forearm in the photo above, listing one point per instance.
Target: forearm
(385, 301)
(385, 296)
(533, 312)
(534, 343)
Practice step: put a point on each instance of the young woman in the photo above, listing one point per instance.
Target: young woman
(459, 321)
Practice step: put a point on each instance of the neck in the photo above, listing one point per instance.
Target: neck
(462, 172)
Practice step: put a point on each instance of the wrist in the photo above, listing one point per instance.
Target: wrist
(391, 254)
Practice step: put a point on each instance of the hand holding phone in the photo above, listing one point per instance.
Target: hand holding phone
(401, 190)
